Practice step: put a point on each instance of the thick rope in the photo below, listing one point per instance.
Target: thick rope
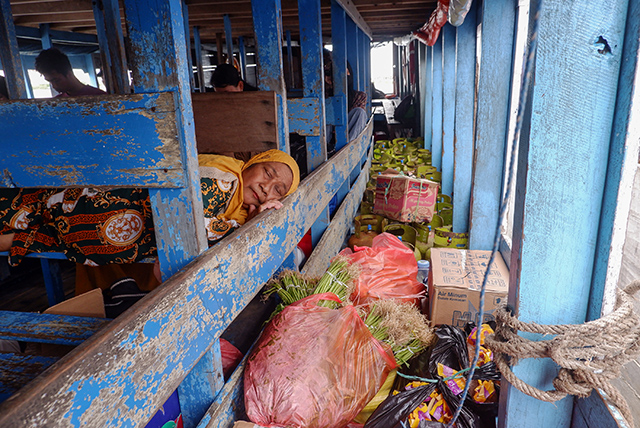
(589, 354)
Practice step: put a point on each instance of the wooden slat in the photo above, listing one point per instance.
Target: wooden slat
(109, 140)
(126, 368)
(48, 328)
(234, 122)
(17, 370)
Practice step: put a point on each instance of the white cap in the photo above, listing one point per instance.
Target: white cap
(423, 264)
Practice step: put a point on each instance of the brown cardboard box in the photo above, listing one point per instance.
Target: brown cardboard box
(455, 281)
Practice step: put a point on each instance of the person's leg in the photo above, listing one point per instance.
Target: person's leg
(6, 241)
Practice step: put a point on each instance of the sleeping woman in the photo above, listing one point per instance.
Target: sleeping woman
(98, 227)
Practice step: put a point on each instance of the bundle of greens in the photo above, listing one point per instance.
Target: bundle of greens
(292, 286)
(401, 326)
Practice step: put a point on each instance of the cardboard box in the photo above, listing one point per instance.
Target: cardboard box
(405, 199)
(455, 281)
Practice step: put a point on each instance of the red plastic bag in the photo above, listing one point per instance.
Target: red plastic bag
(314, 367)
(387, 271)
(231, 357)
(430, 31)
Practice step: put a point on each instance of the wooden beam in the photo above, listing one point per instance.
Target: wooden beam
(50, 136)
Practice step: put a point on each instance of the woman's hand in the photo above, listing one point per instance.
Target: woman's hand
(255, 210)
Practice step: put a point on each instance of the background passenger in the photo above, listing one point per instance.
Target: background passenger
(226, 78)
(56, 69)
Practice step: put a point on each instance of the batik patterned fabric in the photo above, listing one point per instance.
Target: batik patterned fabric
(97, 227)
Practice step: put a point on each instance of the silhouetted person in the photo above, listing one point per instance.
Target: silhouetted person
(56, 69)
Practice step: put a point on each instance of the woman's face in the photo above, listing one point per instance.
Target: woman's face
(265, 181)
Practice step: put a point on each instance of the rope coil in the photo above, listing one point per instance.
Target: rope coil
(589, 354)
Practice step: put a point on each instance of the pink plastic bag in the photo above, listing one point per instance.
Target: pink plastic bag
(387, 271)
(231, 357)
(314, 367)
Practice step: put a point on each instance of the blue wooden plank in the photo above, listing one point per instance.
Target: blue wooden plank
(290, 62)
(57, 36)
(622, 165)
(494, 83)
(48, 328)
(352, 50)
(243, 57)
(338, 105)
(267, 23)
(52, 281)
(427, 95)
(558, 214)
(62, 142)
(303, 116)
(228, 38)
(45, 36)
(201, 386)
(10, 53)
(464, 120)
(110, 11)
(144, 355)
(54, 256)
(448, 36)
(436, 104)
(187, 41)
(197, 46)
(312, 71)
(17, 370)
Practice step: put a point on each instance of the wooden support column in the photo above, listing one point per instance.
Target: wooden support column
(111, 39)
(494, 84)
(10, 54)
(464, 120)
(427, 96)
(160, 64)
(289, 60)
(339, 57)
(197, 46)
(219, 52)
(242, 57)
(228, 37)
(564, 151)
(352, 50)
(267, 21)
(436, 104)
(448, 35)
(187, 40)
(621, 170)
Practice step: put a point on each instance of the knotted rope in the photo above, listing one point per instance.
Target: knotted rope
(589, 354)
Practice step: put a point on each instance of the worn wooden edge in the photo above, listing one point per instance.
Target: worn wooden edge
(48, 328)
(16, 370)
(229, 404)
(128, 369)
(595, 411)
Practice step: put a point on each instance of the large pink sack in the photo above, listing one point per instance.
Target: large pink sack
(387, 271)
(314, 367)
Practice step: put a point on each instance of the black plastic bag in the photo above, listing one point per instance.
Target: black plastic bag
(450, 350)
(396, 408)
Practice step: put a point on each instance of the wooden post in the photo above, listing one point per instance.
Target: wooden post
(107, 15)
(187, 40)
(243, 57)
(436, 105)
(267, 21)
(10, 54)
(448, 35)
(197, 46)
(564, 150)
(494, 83)
(339, 57)
(228, 37)
(289, 59)
(464, 120)
(428, 96)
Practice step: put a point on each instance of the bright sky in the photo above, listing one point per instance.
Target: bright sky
(382, 67)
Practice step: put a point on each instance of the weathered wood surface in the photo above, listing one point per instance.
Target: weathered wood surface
(48, 328)
(592, 412)
(18, 370)
(303, 116)
(235, 121)
(123, 373)
(109, 140)
(229, 404)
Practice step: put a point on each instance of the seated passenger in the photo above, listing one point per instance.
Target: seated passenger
(56, 69)
(98, 227)
(226, 78)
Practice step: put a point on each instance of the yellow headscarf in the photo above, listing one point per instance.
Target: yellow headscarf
(235, 166)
